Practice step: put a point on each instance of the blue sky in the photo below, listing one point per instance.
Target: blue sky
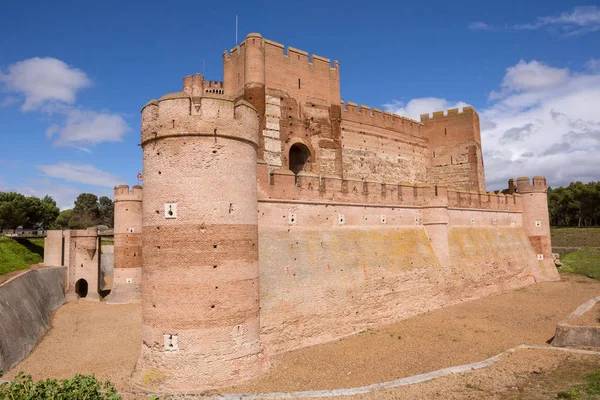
(74, 76)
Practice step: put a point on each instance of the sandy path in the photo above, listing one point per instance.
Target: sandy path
(87, 338)
(102, 339)
(459, 334)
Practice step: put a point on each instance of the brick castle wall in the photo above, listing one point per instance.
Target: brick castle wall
(455, 149)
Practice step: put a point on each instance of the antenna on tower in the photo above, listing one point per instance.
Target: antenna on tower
(236, 30)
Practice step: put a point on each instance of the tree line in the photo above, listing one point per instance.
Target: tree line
(575, 205)
(30, 212)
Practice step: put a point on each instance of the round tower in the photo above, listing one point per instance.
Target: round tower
(200, 286)
(254, 80)
(536, 221)
(255, 60)
(127, 276)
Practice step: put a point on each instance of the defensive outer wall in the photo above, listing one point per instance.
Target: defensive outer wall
(244, 258)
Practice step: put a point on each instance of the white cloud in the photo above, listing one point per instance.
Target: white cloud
(480, 26)
(578, 21)
(593, 64)
(575, 22)
(50, 86)
(52, 130)
(547, 126)
(415, 107)
(80, 173)
(530, 76)
(88, 128)
(42, 80)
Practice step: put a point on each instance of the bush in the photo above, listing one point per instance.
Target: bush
(77, 388)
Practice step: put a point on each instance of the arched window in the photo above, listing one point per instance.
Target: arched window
(299, 158)
(81, 288)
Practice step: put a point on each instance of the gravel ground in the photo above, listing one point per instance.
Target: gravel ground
(105, 340)
(590, 318)
(523, 375)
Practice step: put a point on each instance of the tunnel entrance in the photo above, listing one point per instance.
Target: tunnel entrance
(299, 158)
(81, 288)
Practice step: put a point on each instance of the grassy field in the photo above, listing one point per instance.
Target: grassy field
(16, 255)
(583, 261)
(575, 237)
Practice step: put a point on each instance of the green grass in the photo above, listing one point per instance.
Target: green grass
(583, 261)
(19, 255)
(588, 390)
(575, 237)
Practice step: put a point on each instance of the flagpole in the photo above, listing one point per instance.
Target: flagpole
(236, 30)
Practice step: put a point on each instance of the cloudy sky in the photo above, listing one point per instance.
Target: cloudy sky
(73, 77)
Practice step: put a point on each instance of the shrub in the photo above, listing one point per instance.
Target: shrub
(80, 387)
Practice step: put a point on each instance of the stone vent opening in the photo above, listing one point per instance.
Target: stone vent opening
(299, 158)
(81, 288)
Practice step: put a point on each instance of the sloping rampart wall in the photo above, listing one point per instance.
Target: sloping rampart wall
(331, 270)
(339, 256)
(26, 302)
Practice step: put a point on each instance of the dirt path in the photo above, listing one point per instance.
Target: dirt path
(105, 340)
(87, 338)
(522, 375)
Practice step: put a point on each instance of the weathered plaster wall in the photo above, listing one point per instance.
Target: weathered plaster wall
(26, 302)
(323, 278)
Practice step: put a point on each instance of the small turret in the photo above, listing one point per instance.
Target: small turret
(193, 85)
(536, 220)
(127, 276)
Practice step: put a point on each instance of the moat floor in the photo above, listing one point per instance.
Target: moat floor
(102, 339)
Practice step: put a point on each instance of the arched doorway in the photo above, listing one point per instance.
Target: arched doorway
(299, 158)
(81, 288)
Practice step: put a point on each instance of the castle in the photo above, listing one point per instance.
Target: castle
(276, 216)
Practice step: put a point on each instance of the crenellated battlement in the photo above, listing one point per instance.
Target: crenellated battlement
(291, 54)
(284, 185)
(182, 113)
(123, 193)
(196, 86)
(261, 62)
(525, 185)
(484, 200)
(382, 119)
(452, 112)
